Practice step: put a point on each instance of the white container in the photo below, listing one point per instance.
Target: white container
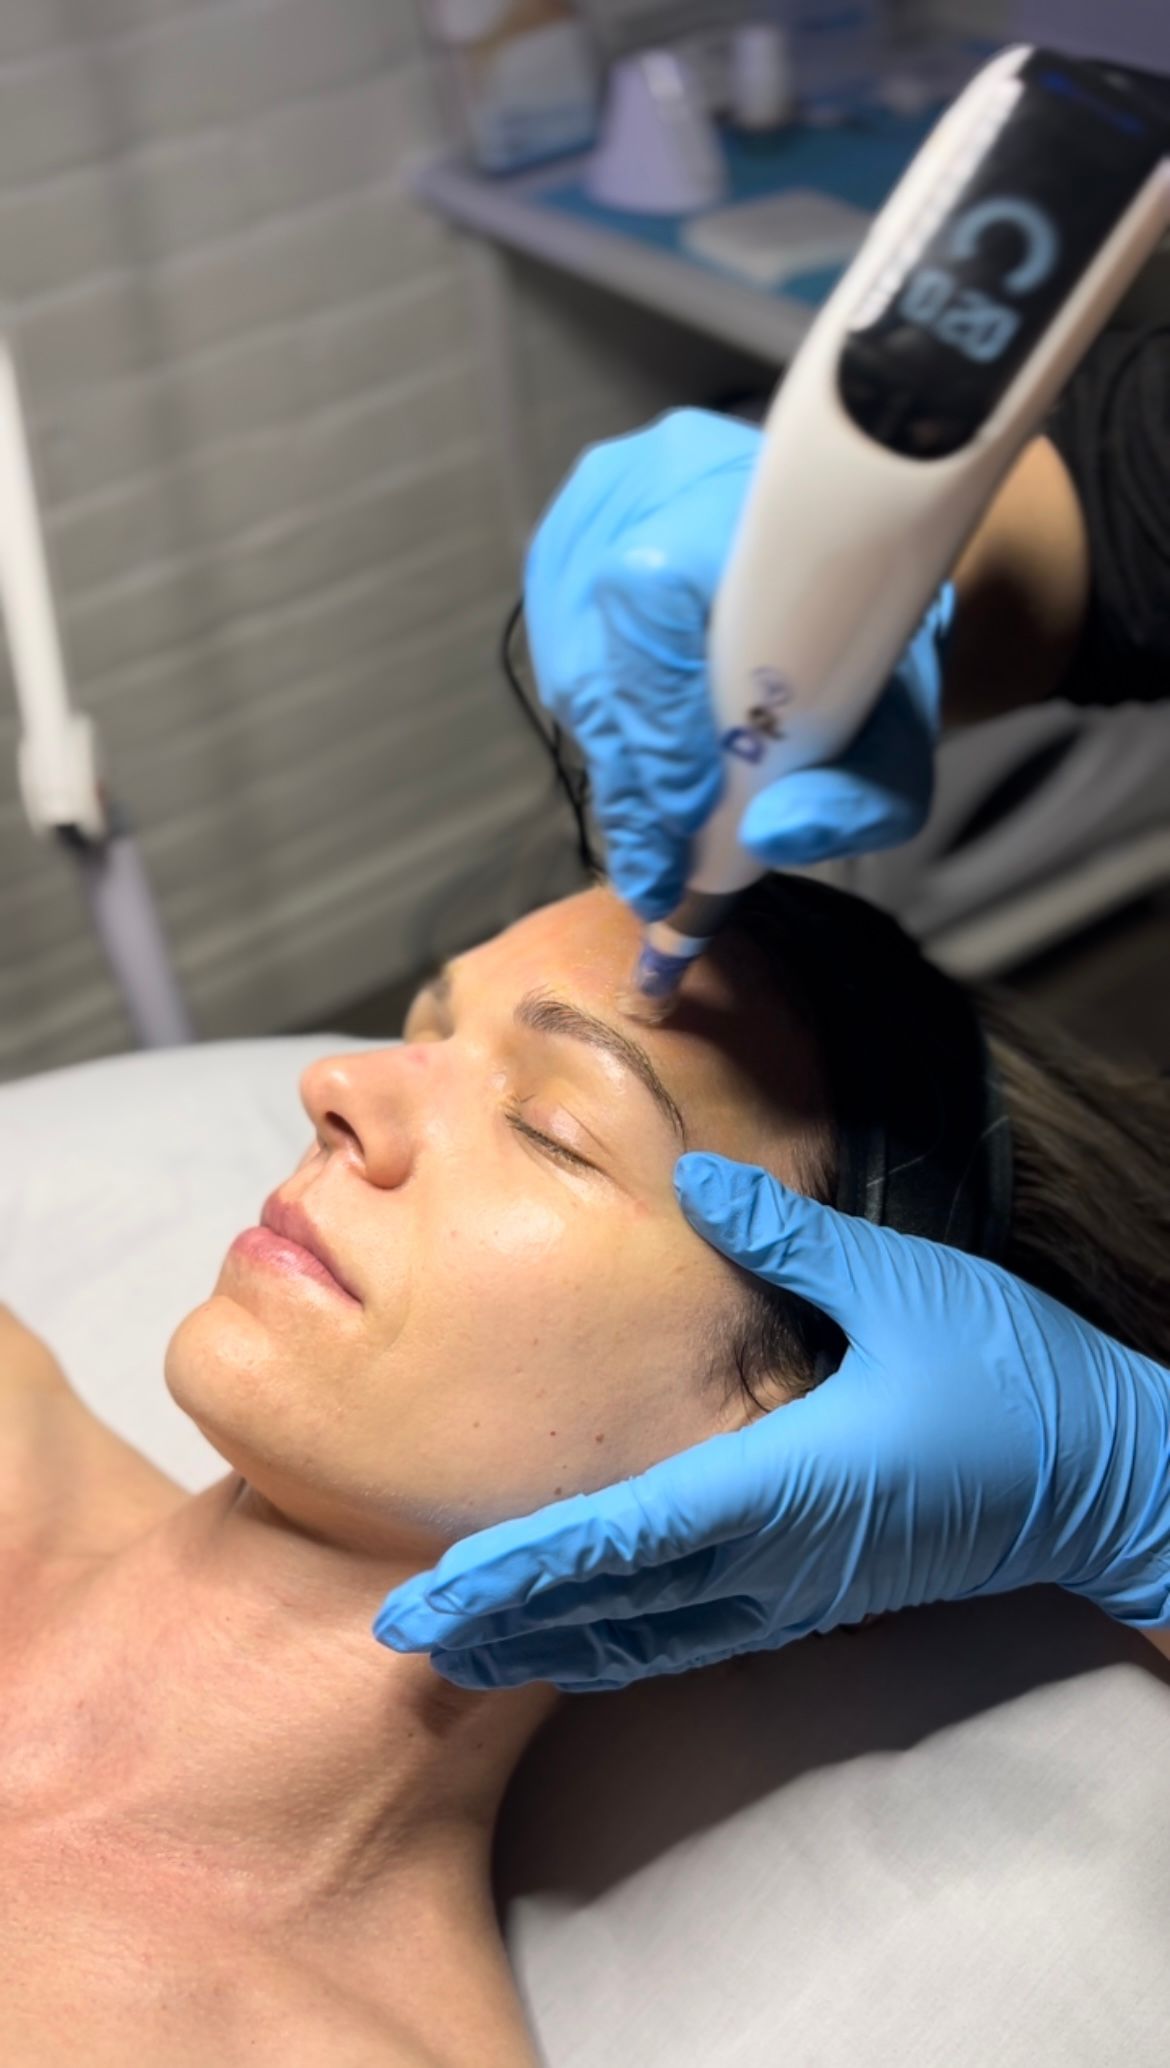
(524, 77)
(659, 151)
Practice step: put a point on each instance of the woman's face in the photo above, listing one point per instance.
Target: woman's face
(532, 1317)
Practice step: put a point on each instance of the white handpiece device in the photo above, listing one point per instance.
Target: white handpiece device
(995, 262)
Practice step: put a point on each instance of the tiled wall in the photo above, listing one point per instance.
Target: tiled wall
(270, 481)
(269, 457)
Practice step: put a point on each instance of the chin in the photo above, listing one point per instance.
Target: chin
(220, 1333)
(218, 1368)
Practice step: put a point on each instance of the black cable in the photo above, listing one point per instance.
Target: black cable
(575, 784)
(511, 624)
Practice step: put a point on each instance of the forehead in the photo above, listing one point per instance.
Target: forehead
(733, 1053)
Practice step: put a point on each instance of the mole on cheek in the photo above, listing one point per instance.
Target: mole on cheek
(599, 1439)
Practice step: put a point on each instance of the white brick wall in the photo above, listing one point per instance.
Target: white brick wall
(270, 490)
(271, 502)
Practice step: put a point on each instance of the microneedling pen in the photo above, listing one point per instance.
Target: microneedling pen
(994, 263)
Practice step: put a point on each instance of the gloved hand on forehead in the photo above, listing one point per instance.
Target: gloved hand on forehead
(977, 1437)
(621, 577)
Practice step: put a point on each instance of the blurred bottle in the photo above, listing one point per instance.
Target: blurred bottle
(761, 77)
(523, 77)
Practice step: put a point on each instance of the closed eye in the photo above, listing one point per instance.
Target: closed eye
(546, 1143)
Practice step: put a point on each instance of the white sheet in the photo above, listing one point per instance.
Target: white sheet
(943, 1842)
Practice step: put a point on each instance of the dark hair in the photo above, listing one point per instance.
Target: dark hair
(1090, 1152)
(1089, 1216)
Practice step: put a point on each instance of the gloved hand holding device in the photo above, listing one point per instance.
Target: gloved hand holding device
(978, 1437)
(620, 578)
(666, 581)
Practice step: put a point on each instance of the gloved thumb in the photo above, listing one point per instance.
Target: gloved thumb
(874, 795)
(847, 1268)
(815, 814)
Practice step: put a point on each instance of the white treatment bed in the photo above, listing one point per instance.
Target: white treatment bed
(939, 1842)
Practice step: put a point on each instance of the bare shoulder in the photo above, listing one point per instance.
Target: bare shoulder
(42, 1421)
(66, 1480)
(384, 2045)
(286, 2006)
(28, 1367)
(457, 2015)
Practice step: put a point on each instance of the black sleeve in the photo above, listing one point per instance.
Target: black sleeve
(1112, 430)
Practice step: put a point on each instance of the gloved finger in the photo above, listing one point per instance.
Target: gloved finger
(565, 636)
(655, 618)
(849, 1269)
(647, 734)
(583, 1545)
(628, 679)
(877, 795)
(600, 1655)
(895, 747)
(646, 867)
(507, 1565)
(568, 642)
(817, 813)
(692, 1580)
(645, 860)
(670, 492)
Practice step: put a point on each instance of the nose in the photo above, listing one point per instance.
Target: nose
(365, 1106)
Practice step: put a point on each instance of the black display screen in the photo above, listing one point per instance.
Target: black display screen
(974, 298)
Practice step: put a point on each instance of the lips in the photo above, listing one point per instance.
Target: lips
(285, 1217)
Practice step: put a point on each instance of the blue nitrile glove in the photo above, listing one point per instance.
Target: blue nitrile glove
(977, 1437)
(619, 585)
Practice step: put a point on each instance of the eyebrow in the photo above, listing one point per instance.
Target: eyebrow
(547, 1015)
(541, 1013)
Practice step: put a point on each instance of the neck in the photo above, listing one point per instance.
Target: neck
(230, 1718)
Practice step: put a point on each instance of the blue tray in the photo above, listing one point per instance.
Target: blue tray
(858, 164)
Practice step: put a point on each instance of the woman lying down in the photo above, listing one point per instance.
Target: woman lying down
(235, 1828)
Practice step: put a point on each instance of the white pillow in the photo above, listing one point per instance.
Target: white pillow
(940, 1842)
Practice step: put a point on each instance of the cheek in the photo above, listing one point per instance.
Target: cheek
(566, 1346)
(503, 1277)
